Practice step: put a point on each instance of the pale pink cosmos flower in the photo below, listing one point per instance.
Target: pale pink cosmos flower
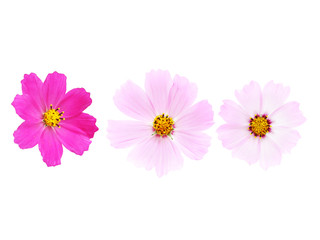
(166, 123)
(53, 117)
(261, 127)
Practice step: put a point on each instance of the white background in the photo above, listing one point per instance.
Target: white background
(219, 45)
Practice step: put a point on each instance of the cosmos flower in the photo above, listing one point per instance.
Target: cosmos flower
(53, 117)
(261, 127)
(166, 122)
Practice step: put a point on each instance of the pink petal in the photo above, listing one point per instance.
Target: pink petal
(158, 84)
(50, 147)
(54, 88)
(124, 134)
(234, 114)
(288, 115)
(133, 101)
(248, 150)
(74, 102)
(182, 94)
(250, 98)
(28, 134)
(273, 96)
(198, 117)
(73, 138)
(232, 135)
(25, 108)
(32, 86)
(159, 153)
(84, 122)
(193, 144)
(284, 138)
(270, 153)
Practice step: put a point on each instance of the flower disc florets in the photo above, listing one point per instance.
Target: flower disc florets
(260, 126)
(163, 125)
(52, 117)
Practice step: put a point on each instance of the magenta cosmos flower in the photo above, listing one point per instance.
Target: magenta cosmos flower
(261, 127)
(167, 122)
(53, 117)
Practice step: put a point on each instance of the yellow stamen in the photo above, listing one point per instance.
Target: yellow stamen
(52, 117)
(163, 125)
(259, 126)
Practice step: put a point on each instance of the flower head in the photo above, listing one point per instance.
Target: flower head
(261, 127)
(53, 117)
(166, 122)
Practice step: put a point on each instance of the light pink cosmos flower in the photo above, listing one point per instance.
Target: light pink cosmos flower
(166, 122)
(261, 127)
(53, 117)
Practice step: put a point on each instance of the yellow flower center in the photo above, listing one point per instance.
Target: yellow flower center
(52, 117)
(259, 126)
(163, 125)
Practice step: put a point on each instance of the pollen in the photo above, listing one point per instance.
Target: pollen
(259, 126)
(52, 117)
(163, 125)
